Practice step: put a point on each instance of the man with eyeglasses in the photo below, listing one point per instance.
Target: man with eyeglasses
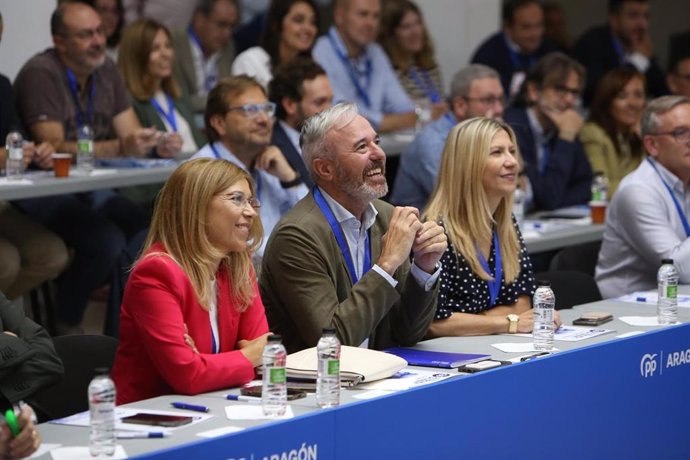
(204, 51)
(474, 92)
(239, 123)
(647, 219)
(624, 40)
(547, 123)
(341, 257)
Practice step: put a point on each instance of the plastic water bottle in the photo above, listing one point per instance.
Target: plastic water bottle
(600, 188)
(85, 149)
(543, 304)
(519, 205)
(667, 303)
(102, 408)
(328, 372)
(15, 156)
(274, 390)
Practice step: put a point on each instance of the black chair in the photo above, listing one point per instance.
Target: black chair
(80, 355)
(571, 288)
(580, 258)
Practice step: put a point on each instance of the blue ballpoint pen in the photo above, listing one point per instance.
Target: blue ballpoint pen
(194, 407)
(250, 399)
(140, 435)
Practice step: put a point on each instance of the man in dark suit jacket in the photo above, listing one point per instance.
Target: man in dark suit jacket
(625, 40)
(514, 50)
(299, 89)
(341, 257)
(547, 125)
(204, 51)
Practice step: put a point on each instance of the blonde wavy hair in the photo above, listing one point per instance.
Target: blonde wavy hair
(180, 223)
(459, 198)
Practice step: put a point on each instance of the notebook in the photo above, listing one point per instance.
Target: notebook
(435, 358)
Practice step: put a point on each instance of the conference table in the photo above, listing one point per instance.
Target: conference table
(623, 394)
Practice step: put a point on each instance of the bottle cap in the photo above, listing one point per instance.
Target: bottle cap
(101, 371)
(275, 338)
(328, 330)
(543, 283)
(12, 422)
(666, 261)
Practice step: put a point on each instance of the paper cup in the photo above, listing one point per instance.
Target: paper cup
(598, 211)
(61, 164)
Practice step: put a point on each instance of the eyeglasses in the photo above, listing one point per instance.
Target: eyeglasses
(253, 110)
(488, 100)
(241, 201)
(88, 34)
(564, 90)
(681, 135)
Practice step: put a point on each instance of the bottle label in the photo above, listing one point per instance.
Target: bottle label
(543, 313)
(672, 292)
(16, 153)
(84, 146)
(276, 375)
(333, 366)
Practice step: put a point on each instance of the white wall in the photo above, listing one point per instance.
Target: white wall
(27, 31)
(457, 28)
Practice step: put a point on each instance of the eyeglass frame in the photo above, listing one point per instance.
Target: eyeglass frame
(260, 108)
(86, 34)
(240, 200)
(675, 134)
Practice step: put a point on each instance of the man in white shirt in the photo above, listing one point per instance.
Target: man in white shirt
(647, 220)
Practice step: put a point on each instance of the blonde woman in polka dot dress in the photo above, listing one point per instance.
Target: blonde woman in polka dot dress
(487, 279)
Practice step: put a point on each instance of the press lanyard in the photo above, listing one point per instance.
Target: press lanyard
(545, 154)
(451, 119)
(75, 94)
(516, 58)
(209, 78)
(169, 115)
(679, 208)
(618, 48)
(340, 237)
(494, 284)
(425, 84)
(255, 175)
(352, 71)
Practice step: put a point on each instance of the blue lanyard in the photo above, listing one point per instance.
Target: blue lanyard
(494, 284)
(451, 119)
(516, 58)
(75, 94)
(352, 71)
(255, 174)
(546, 154)
(214, 347)
(618, 48)
(427, 85)
(679, 208)
(340, 238)
(170, 114)
(209, 79)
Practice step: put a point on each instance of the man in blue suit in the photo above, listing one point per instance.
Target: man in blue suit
(299, 90)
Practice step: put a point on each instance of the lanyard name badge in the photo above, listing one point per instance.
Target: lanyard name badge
(425, 84)
(340, 238)
(74, 88)
(169, 115)
(255, 175)
(494, 284)
(353, 72)
(679, 208)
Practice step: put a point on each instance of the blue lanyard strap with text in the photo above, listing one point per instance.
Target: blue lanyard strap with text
(340, 238)
(425, 84)
(494, 284)
(74, 88)
(209, 79)
(679, 208)
(517, 60)
(170, 114)
(255, 175)
(354, 74)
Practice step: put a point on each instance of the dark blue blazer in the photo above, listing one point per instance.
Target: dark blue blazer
(281, 140)
(567, 178)
(494, 52)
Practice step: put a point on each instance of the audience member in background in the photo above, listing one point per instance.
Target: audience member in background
(359, 69)
(299, 89)
(239, 122)
(291, 28)
(58, 91)
(174, 14)
(611, 137)
(405, 39)
(678, 76)
(341, 257)
(474, 92)
(518, 46)
(204, 51)
(556, 26)
(28, 363)
(192, 319)
(625, 40)
(113, 16)
(647, 220)
(29, 253)
(487, 280)
(547, 124)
